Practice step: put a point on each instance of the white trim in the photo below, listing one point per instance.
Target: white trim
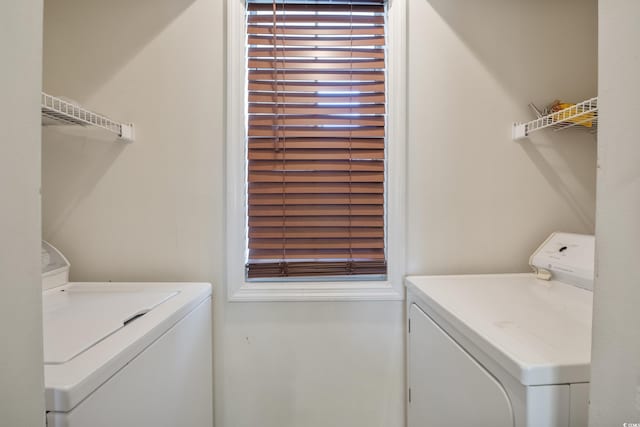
(238, 289)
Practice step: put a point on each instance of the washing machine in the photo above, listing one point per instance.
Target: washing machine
(125, 354)
(498, 350)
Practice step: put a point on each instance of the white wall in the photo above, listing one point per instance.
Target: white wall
(615, 368)
(154, 210)
(21, 369)
(479, 202)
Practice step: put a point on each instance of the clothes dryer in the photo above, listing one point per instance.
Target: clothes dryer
(500, 350)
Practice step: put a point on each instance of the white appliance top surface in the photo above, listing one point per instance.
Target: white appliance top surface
(539, 331)
(78, 317)
(85, 338)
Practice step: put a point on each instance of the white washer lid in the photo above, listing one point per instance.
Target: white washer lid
(76, 318)
(538, 331)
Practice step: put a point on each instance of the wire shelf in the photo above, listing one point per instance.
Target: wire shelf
(584, 113)
(58, 111)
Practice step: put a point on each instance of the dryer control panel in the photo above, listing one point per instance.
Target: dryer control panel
(566, 257)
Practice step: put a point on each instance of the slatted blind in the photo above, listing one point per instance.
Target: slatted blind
(316, 138)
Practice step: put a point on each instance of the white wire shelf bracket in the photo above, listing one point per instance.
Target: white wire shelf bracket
(584, 113)
(64, 112)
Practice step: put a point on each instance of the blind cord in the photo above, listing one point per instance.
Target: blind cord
(351, 260)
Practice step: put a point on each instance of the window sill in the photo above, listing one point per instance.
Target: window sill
(315, 291)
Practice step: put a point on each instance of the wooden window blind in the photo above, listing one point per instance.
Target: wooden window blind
(316, 139)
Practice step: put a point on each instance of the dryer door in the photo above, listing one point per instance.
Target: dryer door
(448, 386)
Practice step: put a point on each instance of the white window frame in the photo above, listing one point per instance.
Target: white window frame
(238, 288)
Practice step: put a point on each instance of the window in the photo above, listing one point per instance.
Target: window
(316, 139)
(317, 210)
